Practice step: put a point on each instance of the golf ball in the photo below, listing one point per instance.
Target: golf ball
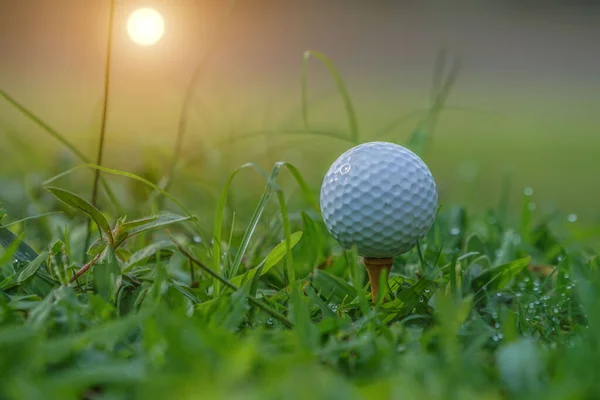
(379, 197)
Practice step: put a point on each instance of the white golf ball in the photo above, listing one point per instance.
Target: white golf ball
(380, 197)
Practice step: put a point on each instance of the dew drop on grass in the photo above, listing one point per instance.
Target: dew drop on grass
(500, 336)
(530, 305)
(531, 206)
(528, 191)
(270, 321)
(555, 310)
(497, 325)
(526, 279)
(495, 315)
(496, 338)
(454, 231)
(572, 217)
(197, 239)
(484, 287)
(566, 275)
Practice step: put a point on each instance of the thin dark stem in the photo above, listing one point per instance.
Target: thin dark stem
(100, 153)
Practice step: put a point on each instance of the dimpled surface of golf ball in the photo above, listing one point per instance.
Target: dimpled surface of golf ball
(380, 197)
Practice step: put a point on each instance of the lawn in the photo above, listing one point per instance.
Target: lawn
(223, 282)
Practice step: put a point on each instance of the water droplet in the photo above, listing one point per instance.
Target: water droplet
(484, 287)
(197, 239)
(536, 283)
(526, 319)
(500, 336)
(427, 290)
(519, 294)
(566, 276)
(563, 294)
(528, 191)
(559, 258)
(522, 285)
(517, 240)
(530, 305)
(569, 287)
(495, 338)
(499, 294)
(526, 279)
(572, 217)
(536, 289)
(496, 325)
(270, 321)
(495, 315)
(537, 302)
(531, 206)
(555, 310)
(454, 231)
(553, 329)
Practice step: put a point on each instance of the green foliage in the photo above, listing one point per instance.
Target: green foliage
(274, 308)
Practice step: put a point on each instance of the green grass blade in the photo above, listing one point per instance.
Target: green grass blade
(341, 86)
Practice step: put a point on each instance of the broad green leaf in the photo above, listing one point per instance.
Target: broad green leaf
(97, 247)
(148, 254)
(156, 221)
(270, 261)
(32, 268)
(126, 226)
(16, 247)
(79, 203)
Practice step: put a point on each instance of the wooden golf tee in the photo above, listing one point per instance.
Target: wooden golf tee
(374, 268)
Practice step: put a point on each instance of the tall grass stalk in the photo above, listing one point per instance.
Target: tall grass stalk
(100, 153)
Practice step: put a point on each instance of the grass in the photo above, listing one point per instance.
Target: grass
(492, 304)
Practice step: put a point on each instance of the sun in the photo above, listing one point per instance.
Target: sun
(145, 26)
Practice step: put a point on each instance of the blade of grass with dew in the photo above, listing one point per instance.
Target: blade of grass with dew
(341, 86)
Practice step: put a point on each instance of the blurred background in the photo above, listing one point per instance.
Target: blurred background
(525, 108)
